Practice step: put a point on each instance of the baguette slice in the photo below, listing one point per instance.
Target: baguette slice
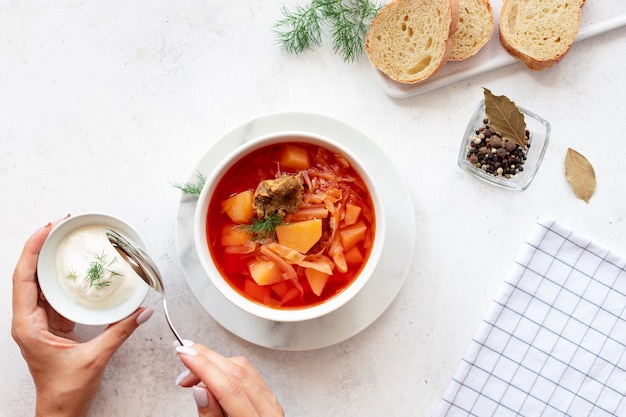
(474, 30)
(539, 32)
(409, 40)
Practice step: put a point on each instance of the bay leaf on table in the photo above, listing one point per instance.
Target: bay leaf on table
(580, 174)
(505, 118)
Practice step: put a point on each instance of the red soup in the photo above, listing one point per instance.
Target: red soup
(290, 225)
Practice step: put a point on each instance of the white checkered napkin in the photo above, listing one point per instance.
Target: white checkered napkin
(554, 342)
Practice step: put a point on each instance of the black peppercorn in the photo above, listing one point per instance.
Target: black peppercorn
(489, 152)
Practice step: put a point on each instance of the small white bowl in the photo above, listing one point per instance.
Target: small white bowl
(257, 309)
(59, 298)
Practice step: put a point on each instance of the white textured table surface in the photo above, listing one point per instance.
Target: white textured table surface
(104, 104)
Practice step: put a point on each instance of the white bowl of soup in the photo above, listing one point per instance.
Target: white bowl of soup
(290, 226)
(81, 274)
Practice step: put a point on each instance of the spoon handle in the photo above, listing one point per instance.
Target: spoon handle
(169, 322)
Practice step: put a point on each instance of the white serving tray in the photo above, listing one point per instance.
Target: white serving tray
(599, 16)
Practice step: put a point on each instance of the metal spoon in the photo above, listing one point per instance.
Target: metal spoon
(143, 266)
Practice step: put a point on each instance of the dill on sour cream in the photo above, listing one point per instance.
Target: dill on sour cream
(92, 272)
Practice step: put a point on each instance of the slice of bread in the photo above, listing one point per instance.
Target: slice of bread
(409, 40)
(539, 32)
(474, 30)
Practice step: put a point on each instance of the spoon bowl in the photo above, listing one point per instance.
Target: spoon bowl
(143, 265)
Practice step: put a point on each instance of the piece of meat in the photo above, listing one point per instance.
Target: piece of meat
(278, 196)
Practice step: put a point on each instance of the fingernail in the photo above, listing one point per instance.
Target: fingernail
(61, 219)
(186, 342)
(54, 223)
(182, 376)
(144, 316)
(201, 397)
(186, 350)
(49, 224)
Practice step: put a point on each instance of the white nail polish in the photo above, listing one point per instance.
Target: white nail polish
(201, 397)
(144, 316)
(186, 350)
(182, 376)
(186, 342)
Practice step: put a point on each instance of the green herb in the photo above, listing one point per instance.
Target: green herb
(349, 21)
(72, 275)
(97, 268)
(192, 187)
(263, 229)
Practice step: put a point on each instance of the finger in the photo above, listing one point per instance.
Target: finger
(25, 289)
(57, 324)
(25, 286)
(238, 367)
(247, 376)
(109, 341)
(206, 403)
(262, 396)
(226, 389)
(187, 379)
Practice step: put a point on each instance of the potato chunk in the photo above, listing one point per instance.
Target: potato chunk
(254, 291)
(354, 256)
(233, 235)
(239, 207)
(352, 235)
(352, 214)
(294, 157)
(300, 236)
(317, 280)
(264, 272)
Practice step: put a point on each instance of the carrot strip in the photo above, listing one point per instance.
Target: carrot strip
(320, 263)
(247, 247)
(307, 214)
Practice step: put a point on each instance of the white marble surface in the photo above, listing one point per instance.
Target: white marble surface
(104, 104)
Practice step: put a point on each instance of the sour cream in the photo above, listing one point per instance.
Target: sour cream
(92, 272)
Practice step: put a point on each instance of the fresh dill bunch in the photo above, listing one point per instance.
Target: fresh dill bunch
(303, 27)
(94, 275)
(263, 229)
(96, 270)
(192, 187)
(349, 21)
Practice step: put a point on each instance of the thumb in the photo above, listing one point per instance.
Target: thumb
(110, 340)
(206, 402)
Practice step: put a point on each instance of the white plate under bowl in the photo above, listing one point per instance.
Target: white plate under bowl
(371, 301)
(52, 289)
